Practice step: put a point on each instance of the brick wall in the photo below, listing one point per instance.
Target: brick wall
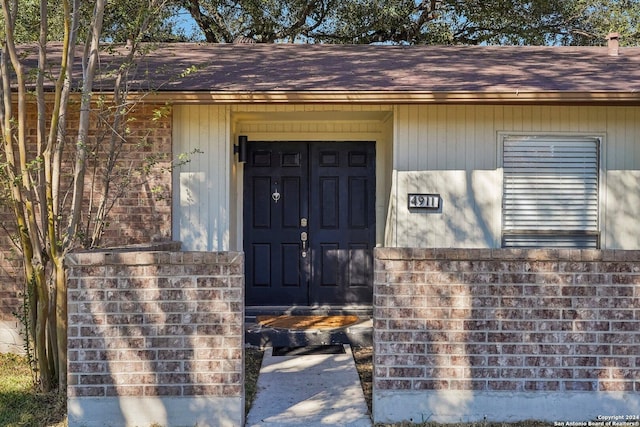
(11, 301)
(142, 213)
(506, 334)
(155, 337)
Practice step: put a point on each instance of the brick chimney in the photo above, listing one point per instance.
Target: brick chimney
(613, 44)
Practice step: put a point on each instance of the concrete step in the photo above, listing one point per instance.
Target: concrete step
(326, 310)
(357, 334)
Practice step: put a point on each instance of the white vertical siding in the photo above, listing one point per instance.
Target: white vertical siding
(449, 157)
(454, 151)
(384, 166)
(201, 186)
(450, 150)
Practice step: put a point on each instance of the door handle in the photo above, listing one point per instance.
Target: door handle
(303, 238)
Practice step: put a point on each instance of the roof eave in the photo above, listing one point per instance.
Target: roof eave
(395, 97)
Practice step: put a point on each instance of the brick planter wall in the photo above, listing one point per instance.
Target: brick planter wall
(509, 335)
(155, 337)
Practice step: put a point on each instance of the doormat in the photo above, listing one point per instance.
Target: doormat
(309, 350)
(306, 322)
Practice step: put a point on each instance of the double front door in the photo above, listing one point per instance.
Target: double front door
(309, 223)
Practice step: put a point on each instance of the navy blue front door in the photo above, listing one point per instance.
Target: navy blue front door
(309, 223)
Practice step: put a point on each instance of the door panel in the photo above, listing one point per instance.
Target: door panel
(291, 202)
(291, 274)
(360, 265)
(344, 173)
(260, 195)
(276, 194)
(332, 186)
(358, 203)
(260, 268)
(329, 202)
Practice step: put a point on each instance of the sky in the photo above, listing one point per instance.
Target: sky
(186, 23)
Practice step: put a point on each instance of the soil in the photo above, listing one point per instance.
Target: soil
(363, 357)
(252, 363)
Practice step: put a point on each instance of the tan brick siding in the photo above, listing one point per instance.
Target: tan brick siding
(142, 214)
(155, 324)
(507, 320)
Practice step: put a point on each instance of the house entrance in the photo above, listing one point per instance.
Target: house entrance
(309, 223)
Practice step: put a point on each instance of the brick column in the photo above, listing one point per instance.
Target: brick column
(155, 337)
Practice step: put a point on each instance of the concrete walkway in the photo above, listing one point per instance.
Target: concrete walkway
(315, 390)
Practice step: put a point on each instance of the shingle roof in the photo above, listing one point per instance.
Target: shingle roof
(435, 70)
(407, 68)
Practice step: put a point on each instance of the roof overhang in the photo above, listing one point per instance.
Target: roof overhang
(376, 97)
(301, 73)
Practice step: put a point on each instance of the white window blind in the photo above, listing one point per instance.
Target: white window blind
(550, 194)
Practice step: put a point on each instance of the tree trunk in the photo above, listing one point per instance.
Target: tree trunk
(61, 320)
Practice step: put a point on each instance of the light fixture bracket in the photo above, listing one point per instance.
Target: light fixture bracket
(241, 148)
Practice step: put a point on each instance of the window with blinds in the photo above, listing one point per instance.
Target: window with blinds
(550, 193)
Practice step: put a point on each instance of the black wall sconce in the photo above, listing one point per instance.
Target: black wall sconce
(241, 148)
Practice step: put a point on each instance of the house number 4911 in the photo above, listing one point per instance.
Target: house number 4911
(424, 201)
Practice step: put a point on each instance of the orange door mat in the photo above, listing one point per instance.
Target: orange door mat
(306, 322)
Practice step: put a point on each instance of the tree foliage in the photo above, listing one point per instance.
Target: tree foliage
(264, 21)
(125, 19)
(511, 22)
(520, 22)
(121, 21)
(598, 18)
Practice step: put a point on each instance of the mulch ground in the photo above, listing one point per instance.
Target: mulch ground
(363, 357)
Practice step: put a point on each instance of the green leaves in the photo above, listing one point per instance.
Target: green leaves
(519, 22)
(600, 18)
